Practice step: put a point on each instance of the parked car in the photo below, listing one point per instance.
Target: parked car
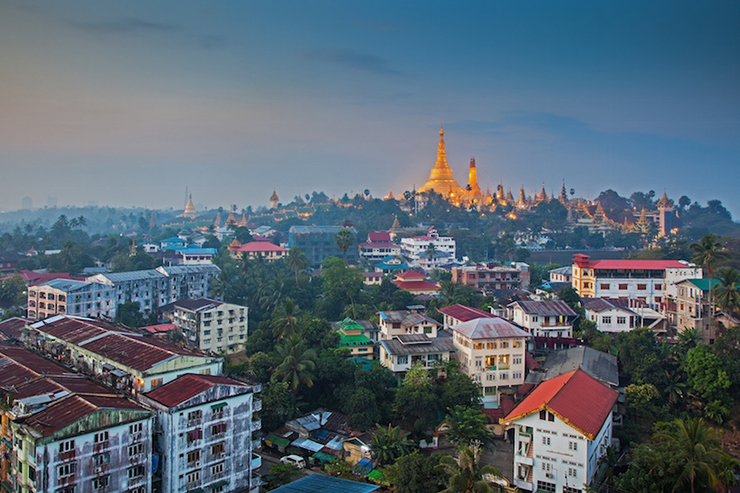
(296, 460)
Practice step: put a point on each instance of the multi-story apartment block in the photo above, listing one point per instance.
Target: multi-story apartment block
(377, 247)
(319, 243)
(257, 249)
(651, 281)
(64, 433)
(562, 430)
(490, 276)
(403, 322)
(157, 287)
(491, 351)
(212, 326)
(414, 246)
(206, 434)
(127, 361)
(68, 296)
(543, 318)
(691, 309)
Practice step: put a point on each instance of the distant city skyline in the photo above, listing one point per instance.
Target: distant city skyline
(127, 104)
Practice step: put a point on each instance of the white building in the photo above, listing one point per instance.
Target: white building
(404, 322)
(543, 318)
(402, 352)
(457, 313)
(562, 429)
(126, 360)
(609, 315)
(212, 326)
(491, 351)
(206, 437)
(69, 296)
(414, 246)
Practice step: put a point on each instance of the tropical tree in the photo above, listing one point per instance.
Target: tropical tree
(389, 444)
(285, 321)
(414, 473)
(727, 291)
(297, 261)
(709, 252)
(344, 240)
(466, 474)
(298, 363)
(467, 425)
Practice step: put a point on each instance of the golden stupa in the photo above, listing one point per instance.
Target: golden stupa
(441, 179)
(189, 211)
(473, 194)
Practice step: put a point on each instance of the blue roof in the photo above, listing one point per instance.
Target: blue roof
(199, 251)
(318, 483)
(173, 239)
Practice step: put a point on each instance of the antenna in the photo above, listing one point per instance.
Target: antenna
(186, 195)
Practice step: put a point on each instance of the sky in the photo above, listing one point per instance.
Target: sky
(130, 103)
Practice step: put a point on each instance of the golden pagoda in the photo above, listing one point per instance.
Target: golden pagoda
(231, 219)
(217, 222)
(274, 199)
(243, 222)
(473, 194)
(441, 179)
(189, 211)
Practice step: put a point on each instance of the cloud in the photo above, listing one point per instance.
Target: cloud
(128, 25)
(354, 60)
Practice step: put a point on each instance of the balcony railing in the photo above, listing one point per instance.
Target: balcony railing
(257, 405)
(256, 424)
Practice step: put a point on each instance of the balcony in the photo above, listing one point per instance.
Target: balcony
(256, 424)
(255, 481)
(257, 406)
(257, 443)
(256, 462)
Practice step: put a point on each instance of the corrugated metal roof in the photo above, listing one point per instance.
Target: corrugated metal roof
(464, 313)
(136, 275)
(437, 345)
(326, 484)
(12, 327)
(197, 305)
(489, 328)
(188, 269)
(545, 308)
(603, 304)
(188, 386)
(635, 264)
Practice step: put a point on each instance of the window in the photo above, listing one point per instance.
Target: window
(478, 345)
(572, 471)
(572, 445)
(32, 473)
(623, 287)
(490, 345)
(516, 344)
(100, 483)
(66, 446)
(543, 414)
(100, 459)
(427, 330)
(218, 449)
(545, 441)
(606, 320)
(193, 456)
(194, 435)
(66, 489)
(218, 429)
(504, 345)
(135, 428)
(478, 362)
(218, 413)
(641, 287)
(140, 489)
(137, 449)
(534, 318)
(516, 360)
(135, 472)
(66, 469)
(621, 320)
(604, 286)
(218, 469)
(516, 375)
(194, 417)
(550, 416)
(193, 476)
(403, 359)
(101, 437)
(156, 382)
(658, 287)
(545, 486)
(504, 375)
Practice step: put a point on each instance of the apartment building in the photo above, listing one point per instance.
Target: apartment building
(212, 326)
(377, 247)
(127, 361)
(402, 352)
(691, 309)
(543, 318)
(403, 322)
(414, 246)
(562, 429)
(490, 276)
(650, 281)
(457, 313)
(206, 434)
(491, 351)
(319, 243)
(69, 296)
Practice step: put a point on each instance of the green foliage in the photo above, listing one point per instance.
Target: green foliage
(344, 240)
(129, 315)
(279, 405)
(362, 409)
(297, 363)
(13, 291)
(342, 469)
(389, 444)
(727, 292)
(342, 286)
(639, 355)
(709, 380)
(465, 473)
(414, 473)
(282, 474)
(467, 425)
(683, 455)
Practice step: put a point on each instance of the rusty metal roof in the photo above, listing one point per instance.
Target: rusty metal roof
(12, 327)
(545, 308)
(188, 386)
(489, 328)
(18, 366)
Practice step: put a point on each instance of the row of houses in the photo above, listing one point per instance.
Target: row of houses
(96, 409)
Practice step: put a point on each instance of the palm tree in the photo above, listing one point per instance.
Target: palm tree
(297, 261)
(285, 320)
(727, 290)
(466, 474)
(699, 456)
(344, 240)
(389, 444)
(298, 363)
(708, 252)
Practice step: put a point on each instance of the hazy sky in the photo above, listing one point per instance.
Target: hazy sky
(128, 103)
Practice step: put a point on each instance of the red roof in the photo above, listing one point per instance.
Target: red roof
(576, 398)
(379, 236)
(33, 278)
(464, 313)
(633, 264)
(379, 245)
(159, 328)
(490, 327)
(258, 246)
(12, 327)
(188, 386)
(416, 285)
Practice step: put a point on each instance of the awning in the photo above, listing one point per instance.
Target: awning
(218, 406)
(220, 484)
(307, 444)
(118, 373)
(273, 440)
(323, 457)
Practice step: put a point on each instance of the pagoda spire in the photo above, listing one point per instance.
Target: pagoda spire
(189, 211)
(441, 179)
(473, 194)
(563, 193)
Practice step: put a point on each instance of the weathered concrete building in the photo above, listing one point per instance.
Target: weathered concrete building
(205, 427)
(211, 326)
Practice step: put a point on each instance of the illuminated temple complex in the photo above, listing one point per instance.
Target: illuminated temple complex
(441, 179)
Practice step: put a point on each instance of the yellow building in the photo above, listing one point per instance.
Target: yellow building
(441, 179)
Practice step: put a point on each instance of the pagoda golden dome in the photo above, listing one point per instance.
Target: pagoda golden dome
(441, 179)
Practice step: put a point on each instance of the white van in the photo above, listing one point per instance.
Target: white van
(296, 460)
